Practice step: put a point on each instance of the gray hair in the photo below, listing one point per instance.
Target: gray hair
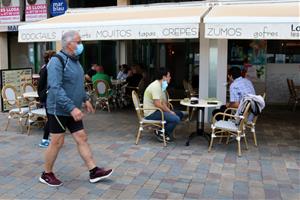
(67, 37)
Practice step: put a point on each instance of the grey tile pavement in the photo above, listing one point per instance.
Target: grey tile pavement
(150, 171)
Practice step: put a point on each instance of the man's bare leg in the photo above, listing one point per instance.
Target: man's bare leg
(57, 141)
(84, 148)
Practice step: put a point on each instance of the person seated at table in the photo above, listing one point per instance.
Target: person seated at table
(90, 73)
(100, 75)
(134, 76)
(123, 73)
(239, 87)
(155, 97)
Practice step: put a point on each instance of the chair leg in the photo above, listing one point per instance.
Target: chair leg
(294, 106)
(254, 135)
(227, 139)
(138, 135)
(239, 145)
(221, 138)
(108, 108)
(246, 143)
(164, 136)
(211, 140)
(20, 124)
(7, 124)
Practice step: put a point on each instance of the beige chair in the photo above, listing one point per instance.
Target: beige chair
(102, 94)
(11, 98)
(37, 117)
(251, 125)
(226, 128)
(294, 94)
(143, 123)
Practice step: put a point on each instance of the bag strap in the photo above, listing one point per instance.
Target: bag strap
(60, 58)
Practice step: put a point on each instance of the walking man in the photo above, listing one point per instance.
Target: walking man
(65, 97)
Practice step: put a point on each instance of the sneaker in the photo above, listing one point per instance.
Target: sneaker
(50, 179)
(44, 143)
(159, 136)
(100, 174)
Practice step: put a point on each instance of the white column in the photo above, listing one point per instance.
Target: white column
(3, 51)
(222, 70)
(203, 66)
(122, 52)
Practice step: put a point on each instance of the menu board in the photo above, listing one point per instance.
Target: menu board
(16, 78)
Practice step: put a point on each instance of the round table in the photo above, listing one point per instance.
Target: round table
(201, 105)
(30, 94)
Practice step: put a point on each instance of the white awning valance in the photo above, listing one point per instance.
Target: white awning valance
(254, 21)
(160, 22)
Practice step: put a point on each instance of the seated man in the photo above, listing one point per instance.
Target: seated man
(100, 75)
(239, 87)
(154, 97)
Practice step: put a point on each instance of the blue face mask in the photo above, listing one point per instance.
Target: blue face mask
(79, 49)
(164, 85)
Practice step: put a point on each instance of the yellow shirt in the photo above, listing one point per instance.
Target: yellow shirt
(152, 92)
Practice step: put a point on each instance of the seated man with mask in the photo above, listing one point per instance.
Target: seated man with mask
(155, 97)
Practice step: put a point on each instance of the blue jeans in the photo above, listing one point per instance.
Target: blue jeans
(171, 120)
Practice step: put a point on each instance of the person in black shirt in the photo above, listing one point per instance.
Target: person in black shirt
(90, 73)
(47, 55)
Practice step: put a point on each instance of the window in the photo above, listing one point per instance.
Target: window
(91, 3)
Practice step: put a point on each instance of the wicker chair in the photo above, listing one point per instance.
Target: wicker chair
(103, 94)
(10, 97)
(143, 123)
(226, 128)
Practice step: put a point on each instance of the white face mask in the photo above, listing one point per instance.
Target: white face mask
(164, 85)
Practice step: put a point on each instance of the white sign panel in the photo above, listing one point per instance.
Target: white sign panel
(130, 32)
(36, 10)
(253, 31)
(9, 11)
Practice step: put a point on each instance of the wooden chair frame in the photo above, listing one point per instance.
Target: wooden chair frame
(238, 133)
(143, 123)
(17, 112)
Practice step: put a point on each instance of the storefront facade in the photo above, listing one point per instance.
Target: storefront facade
(208, 44)
(15, 55)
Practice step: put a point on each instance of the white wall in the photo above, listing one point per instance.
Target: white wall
(276, 84)
(3, 51)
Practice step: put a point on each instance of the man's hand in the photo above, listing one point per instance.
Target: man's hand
(172, 112)
(77, 114)
(89, 107)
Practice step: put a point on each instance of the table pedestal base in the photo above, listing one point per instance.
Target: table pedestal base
(200, 133)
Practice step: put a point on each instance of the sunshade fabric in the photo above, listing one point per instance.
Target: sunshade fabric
(164, 22)
(254, 21)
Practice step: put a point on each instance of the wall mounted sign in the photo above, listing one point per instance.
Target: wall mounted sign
(36, 10)
(98, 32)
(253, 31)
(9, 11)
(58, 7)
(16, 78)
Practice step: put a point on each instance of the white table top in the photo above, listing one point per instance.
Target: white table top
(117, 82)
(30, 94)
(201, 104)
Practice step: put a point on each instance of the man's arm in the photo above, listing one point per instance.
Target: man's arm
(55, 76)
(162, 106)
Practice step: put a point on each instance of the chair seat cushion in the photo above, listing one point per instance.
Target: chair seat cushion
(40, 112)
(228, 125)
(147, 121)
(16, 110)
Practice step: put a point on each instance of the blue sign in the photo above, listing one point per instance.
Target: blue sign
(58, 7)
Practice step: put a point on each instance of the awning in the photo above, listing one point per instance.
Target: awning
(10, 27)
(254, 21)
(157, 22)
